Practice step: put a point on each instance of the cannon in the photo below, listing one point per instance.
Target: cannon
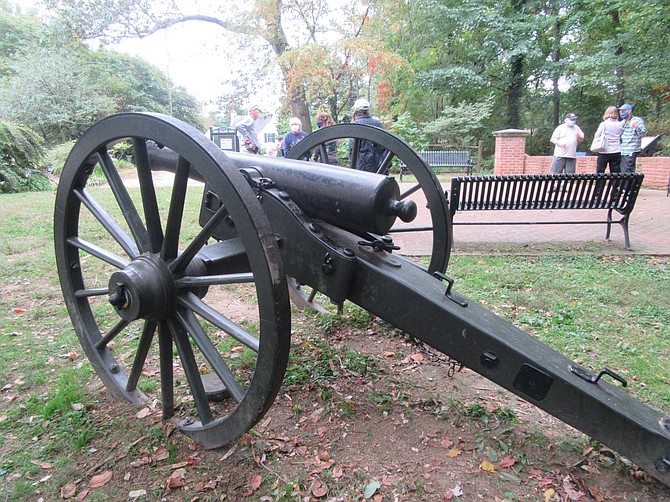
(154, 277)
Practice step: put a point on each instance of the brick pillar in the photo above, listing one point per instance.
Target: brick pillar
(510, 156)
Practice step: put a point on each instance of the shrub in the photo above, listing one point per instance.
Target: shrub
(21, 151)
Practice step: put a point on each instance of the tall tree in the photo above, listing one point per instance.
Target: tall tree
(309, 22)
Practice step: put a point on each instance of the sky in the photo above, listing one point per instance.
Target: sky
(189, 53)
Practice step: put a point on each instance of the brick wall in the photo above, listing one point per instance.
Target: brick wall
(511, 158)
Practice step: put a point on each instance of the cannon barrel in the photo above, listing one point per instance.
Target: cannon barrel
(354, 200)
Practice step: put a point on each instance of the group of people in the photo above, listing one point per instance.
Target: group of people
(622, 132)
(370, 154)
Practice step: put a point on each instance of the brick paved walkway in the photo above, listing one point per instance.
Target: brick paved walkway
(649, 228)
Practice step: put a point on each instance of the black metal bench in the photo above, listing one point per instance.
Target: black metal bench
(445, 160)
(613, 192)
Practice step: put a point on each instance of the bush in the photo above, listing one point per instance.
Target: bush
(21, 152)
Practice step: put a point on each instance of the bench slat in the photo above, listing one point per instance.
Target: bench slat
(612, 192)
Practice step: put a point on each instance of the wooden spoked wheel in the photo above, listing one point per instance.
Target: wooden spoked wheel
(143, 281)
(434, 219)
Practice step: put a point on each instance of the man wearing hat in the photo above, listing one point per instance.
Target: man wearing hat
(631, 138)
(566, 137)
(370, 154)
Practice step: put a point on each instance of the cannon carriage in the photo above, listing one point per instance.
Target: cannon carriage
(155, 273)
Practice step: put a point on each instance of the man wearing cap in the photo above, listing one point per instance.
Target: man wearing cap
(566, 137)
(246, 127)
(370, 154)
(631, 138)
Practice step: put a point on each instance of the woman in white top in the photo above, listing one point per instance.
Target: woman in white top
(611, 127)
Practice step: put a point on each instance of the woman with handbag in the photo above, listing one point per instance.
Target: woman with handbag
(609, 150)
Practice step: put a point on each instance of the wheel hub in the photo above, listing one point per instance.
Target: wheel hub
(145, 289)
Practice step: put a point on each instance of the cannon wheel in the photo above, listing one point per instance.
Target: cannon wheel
(142, 281)
(436, 206)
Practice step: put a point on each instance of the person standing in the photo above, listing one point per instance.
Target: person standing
(370, 154)
(631, 138)
(245, 126)
(293, 137)
(611, 128)
(323, 119)
(566, 137)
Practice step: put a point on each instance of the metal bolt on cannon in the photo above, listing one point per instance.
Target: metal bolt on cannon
(160, 270)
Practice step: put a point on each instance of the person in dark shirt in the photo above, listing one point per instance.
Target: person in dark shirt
(370, 155)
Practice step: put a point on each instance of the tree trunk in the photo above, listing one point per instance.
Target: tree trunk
(618, 70)
(514, 92)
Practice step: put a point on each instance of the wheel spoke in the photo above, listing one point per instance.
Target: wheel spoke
(108, 223)
(111, 334)
(125, 202)
(182, 261)
(409, 192)
(195, 304)
(167, 375)
(176, 212)
(323, 153)
(213, 280)
(148, 191)
(98, 252)
(191, 370)
(386, 162)
(211, 353)
(141, 355)
(354, 152)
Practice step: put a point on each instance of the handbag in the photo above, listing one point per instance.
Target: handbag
(599, 143)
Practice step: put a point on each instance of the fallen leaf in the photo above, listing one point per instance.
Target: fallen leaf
(389, 354)
(161, 454)
(446, 443)
(43, 465)
(19, 310)
(255, 482)
(337, 472)
(571, 489)
(69, 490)
(457, 491)
(144, 412)
(418, 357)
(82, 495)
(487, 466)
(545, 482)
(135, 494)
(506, 462)
(101, 479)
(177, 479)
(454, 452)
(319, 488)
(371, 489)
(549, 494)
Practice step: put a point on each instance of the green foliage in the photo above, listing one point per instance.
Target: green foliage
(21, 151)
(409, 130)
(54, 90)
(461, 126)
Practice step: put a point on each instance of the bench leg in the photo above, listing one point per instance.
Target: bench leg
(624, 225)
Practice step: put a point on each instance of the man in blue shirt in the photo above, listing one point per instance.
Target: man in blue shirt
(631, 138)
